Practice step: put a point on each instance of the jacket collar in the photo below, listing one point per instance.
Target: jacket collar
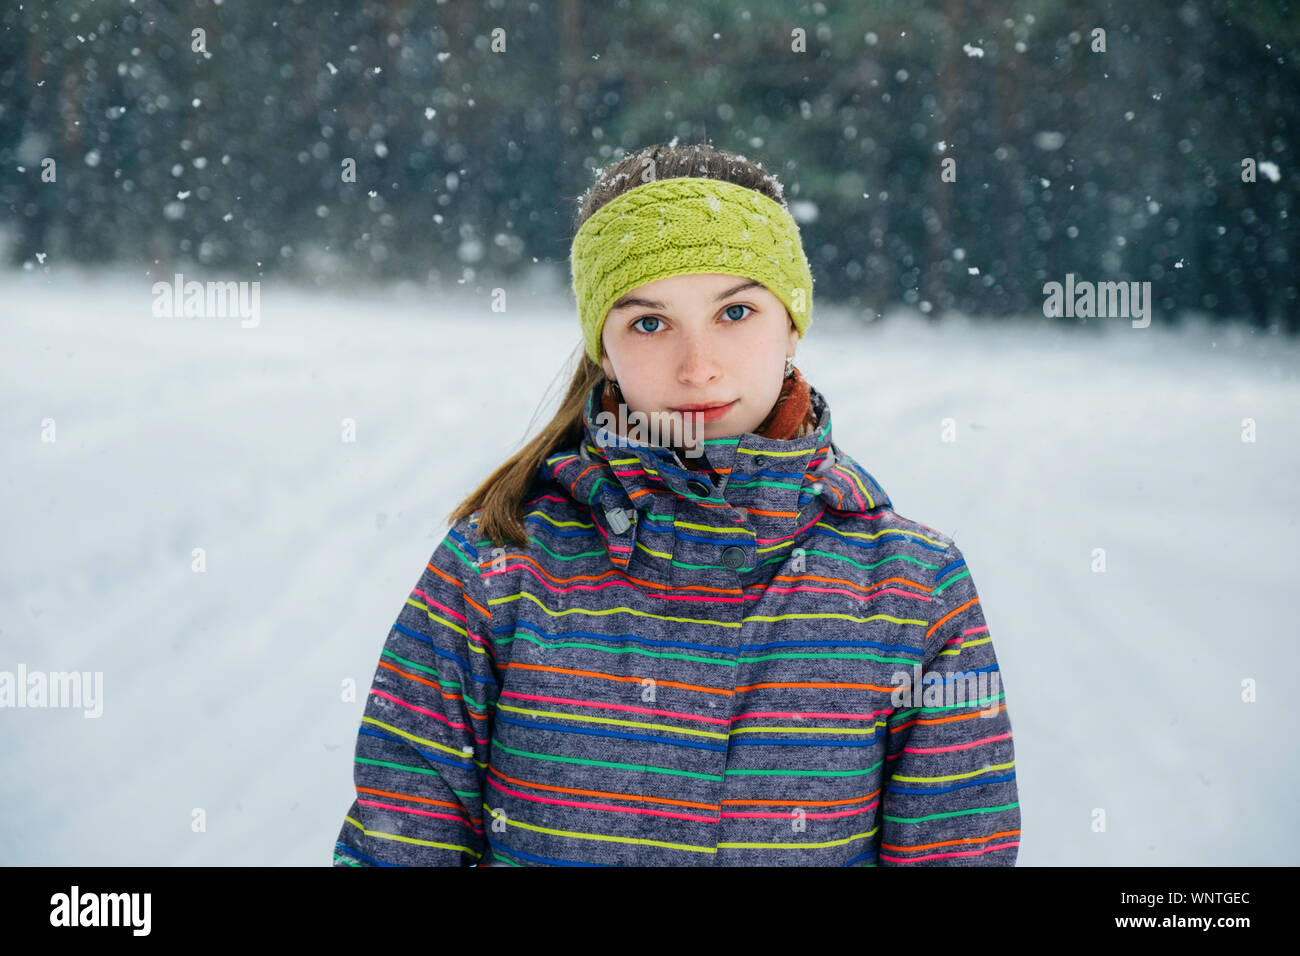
(777, 487)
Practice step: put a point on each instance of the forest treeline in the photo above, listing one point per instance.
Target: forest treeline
(945, 155)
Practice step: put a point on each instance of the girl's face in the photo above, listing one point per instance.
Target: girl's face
(707, 339)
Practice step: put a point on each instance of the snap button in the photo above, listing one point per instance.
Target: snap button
(733, 557)
(760, 461)
(698, 487)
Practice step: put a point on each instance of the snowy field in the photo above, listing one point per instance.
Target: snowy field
(221, 689)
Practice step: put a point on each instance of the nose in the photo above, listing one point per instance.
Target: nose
(697, 363)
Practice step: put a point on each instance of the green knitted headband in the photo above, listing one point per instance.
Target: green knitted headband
(682, 226)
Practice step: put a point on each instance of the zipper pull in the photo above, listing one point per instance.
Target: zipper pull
(618, 519)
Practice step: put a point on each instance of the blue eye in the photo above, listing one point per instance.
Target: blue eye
(736, 319)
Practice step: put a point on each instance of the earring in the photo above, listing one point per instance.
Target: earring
(613, 389)
(789, 366)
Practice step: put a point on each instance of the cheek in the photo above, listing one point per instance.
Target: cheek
(772, 330)
(641, 386)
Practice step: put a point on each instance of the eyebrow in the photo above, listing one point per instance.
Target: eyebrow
(629, 300)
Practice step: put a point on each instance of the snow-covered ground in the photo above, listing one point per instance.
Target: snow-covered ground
(222, 689)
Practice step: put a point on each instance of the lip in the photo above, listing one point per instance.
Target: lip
(708, 412)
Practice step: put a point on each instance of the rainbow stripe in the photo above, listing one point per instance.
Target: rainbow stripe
(715, 681)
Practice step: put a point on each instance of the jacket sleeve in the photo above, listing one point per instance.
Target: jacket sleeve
(950, 796)
(422, 749)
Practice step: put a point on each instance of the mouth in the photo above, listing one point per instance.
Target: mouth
(707, 412)
(703, 407)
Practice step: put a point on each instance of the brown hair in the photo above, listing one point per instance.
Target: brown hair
(502, 493)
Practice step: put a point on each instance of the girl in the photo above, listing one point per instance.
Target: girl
(715, 643)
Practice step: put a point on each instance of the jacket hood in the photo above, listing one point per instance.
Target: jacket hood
(776, 488)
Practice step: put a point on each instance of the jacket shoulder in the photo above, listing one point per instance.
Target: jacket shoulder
(548, 494)
(932, 536)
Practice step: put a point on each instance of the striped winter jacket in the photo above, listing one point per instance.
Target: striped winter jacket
(760, 663)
